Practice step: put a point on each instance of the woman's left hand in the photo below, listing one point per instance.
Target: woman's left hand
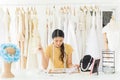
(75, 65)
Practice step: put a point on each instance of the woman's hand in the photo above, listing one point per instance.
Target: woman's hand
(76, 65)
(44, 58)
(40, 49)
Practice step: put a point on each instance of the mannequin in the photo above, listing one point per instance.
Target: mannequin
(7, 66)
(10, 53)
(111, 33)
(111, 26)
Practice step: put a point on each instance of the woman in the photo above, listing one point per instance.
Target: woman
(58, 53)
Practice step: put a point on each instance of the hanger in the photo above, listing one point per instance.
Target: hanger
(47, 11)
(85, 8)
(82, 8)
(96, 8)
(62, 10)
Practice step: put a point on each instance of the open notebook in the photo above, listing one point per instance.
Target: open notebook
(64, 70)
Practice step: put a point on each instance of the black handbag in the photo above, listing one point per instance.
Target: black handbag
(85, 63)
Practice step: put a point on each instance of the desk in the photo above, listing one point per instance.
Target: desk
(39, 75)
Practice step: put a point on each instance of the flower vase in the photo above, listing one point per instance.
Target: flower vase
(7, 71)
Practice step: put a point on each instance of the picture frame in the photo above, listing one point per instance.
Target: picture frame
(95, 66)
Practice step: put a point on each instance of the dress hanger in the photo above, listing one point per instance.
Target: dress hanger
(82, 8)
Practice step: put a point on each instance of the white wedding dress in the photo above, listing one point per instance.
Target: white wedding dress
(92, 41)
(112, 31)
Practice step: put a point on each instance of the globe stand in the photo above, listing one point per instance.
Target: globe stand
(7, 66)
(10, 53)
(7, 71)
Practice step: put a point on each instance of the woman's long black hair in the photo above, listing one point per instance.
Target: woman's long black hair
(59, 33)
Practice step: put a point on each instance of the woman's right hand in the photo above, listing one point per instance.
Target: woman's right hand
(40, 49)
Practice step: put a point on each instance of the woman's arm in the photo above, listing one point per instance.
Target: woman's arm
(69, 62)
(45, 59)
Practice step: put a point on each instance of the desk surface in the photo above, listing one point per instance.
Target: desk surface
(40, 75)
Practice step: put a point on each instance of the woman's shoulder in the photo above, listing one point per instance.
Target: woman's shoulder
(50, 46)
(68, 46)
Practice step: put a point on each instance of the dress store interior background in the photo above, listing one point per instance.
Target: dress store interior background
(50, 14)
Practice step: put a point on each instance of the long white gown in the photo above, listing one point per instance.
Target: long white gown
(78, 36)
(88, 22)
(32, 61)
(99, 34)
(2, 32)
(112, 31)
(99, 30)
(20, 27)
(4, 26)
(82, 34)
(72, 40)
(92, 41)
(50, 27)
(7, 21)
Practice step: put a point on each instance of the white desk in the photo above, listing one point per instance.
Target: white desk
(37, 75)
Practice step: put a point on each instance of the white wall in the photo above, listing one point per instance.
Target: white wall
(37, 2)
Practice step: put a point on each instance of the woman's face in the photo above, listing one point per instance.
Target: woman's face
(58, 41)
